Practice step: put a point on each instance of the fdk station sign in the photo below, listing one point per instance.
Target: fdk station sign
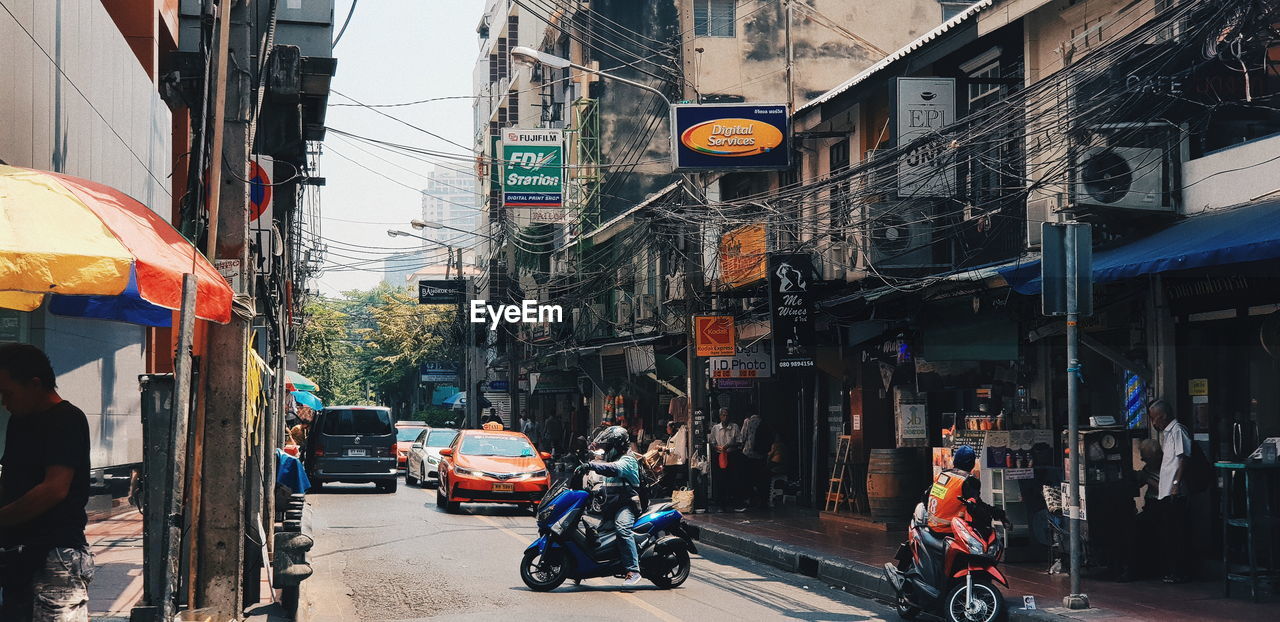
(533, 173)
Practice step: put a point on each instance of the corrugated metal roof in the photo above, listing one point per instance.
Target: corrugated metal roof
(924, 39)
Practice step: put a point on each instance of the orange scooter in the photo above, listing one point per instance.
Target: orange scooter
(952, 576)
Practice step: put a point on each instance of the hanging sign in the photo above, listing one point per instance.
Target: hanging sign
(714, 335)
(440, 292)
(749, 361)
(791, 301)
(742, 255)
(730, 137)
(533, 173)
(924, 106)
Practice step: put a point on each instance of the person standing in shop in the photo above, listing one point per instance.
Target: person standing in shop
(755, 460)
(725, 446)
(1175, 449)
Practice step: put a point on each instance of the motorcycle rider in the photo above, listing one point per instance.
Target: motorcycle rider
(944, 500)
(620, 493)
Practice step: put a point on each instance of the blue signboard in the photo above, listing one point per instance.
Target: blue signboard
(730, 137)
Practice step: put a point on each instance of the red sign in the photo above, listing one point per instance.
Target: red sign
(714, 335)
(259, 191)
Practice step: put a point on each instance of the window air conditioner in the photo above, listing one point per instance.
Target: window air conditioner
(1040, 210)
(1122, 177)
(899, 234)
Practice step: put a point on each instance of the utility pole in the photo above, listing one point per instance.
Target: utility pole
(513, 365)
(219, 498)
(1076, 599)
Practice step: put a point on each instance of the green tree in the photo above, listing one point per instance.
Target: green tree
(369, 345)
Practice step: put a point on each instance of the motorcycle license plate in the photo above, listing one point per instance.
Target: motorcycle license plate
(358, 453)
(504, 487)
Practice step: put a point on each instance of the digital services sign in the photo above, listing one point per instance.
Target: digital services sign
(730, 137)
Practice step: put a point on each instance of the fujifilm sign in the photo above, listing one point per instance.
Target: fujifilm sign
(533, 173)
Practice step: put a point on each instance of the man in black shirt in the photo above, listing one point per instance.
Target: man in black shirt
(44, 487)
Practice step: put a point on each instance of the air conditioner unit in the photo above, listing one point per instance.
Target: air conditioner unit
(1041, 210)
(1122, 177)
(899, 234)
(623, 312)
(646, 307)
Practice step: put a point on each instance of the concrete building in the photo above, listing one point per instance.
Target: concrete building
(450, 198)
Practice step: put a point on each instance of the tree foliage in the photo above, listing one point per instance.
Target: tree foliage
(368, 346)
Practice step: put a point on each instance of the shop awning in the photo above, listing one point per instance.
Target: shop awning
(97, 252)
(1225, 237)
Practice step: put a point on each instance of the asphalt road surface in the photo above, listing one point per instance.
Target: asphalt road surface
(381, 557)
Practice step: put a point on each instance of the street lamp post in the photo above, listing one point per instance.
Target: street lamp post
(530, 56)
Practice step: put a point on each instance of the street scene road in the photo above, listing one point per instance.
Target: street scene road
(399, 557)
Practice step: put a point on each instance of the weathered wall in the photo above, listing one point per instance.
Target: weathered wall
(74, 98)
(753, 62)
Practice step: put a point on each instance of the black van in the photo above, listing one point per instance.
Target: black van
(354, 444)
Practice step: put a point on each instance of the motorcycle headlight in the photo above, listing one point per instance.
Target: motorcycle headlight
(966, 535)
(462, 471)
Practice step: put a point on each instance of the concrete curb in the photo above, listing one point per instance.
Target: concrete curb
(850, 575)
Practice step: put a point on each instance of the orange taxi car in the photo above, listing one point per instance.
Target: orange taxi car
(483, 466)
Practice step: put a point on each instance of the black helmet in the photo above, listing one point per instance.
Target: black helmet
(613, 441)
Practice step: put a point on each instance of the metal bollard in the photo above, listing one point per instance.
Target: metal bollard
(289, 566)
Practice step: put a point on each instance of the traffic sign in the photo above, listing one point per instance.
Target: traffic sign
(714, 335)
(260, 191)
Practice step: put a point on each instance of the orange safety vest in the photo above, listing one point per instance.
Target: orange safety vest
(944, 499)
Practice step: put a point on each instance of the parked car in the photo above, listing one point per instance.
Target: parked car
(354, 444)
(424, 455)
(406, 433)
(483, 466)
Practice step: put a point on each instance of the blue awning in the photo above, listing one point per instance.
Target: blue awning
(1239, 235)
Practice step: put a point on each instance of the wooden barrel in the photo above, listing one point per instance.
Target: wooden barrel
(895, 483)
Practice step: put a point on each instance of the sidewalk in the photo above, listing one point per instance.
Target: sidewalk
(850, 555)
(116, 543)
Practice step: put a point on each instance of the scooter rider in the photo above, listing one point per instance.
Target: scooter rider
(620, 493)
(944, 500)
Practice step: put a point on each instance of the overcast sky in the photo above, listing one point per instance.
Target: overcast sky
(393, 51)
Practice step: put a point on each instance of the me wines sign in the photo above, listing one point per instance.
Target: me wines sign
(791, 300)
(729, 137)
(714, 335)
(533, 173)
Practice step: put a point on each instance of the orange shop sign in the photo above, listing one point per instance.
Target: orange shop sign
(714, 335)
(732, 138)
(742, 255)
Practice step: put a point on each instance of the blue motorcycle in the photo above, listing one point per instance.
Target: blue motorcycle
(570, 545)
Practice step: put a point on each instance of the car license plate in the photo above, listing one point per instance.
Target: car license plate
(358, 452)
(504, 487)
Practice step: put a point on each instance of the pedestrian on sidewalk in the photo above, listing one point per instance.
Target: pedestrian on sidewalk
(44, 488)
(1175, 448)
(552, 433)
(755, 440)
(724, 443)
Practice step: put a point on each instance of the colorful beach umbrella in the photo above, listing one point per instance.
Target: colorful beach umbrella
(97, 253)
(306, 399)
(295, 381)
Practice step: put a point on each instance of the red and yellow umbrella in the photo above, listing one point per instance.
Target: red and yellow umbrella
(96, 252)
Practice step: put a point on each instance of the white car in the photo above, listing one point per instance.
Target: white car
(423, 461)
